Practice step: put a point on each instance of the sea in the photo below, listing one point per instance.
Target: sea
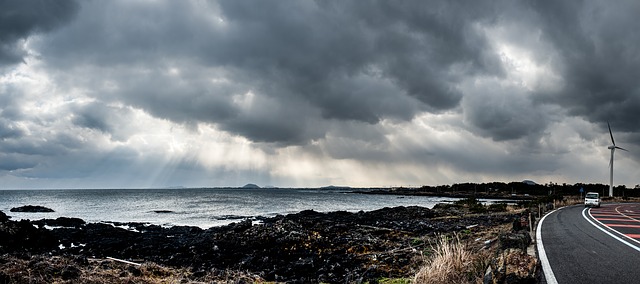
(201, 207)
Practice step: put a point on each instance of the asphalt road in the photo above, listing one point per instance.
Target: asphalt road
(597, 245)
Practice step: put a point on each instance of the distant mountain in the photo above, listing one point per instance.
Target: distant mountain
(335, 187)
(250, 185)
(529, 182)
(175, 187)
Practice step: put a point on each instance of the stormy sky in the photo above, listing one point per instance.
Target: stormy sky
(104, 94)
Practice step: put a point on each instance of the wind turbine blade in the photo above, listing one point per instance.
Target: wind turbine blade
(614, 143)
(623, 149)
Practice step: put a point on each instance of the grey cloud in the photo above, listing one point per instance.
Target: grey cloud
(364, 97)
(83, 162)
(9, 130)
(334, 60)
(93, 116)
(184, 99)
(600, 55)
(11, 99)
(54, 145)
(97, 168)
(320, 44)
(503, 113)
(114, 121)
(352, 140)
(334, 76)
(13, 162)
(19, 19)
(130, 34)
(27, 152)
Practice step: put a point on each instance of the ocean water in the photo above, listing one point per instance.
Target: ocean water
(201, 207)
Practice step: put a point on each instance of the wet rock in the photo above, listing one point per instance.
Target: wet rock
(61, 222)
(521, 222)
(17, 236)
(241, 226)
(31, 208)
(520, 240)
(3, 217)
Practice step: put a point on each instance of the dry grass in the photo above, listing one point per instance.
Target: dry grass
(452, 262)
(461, 258)
(567, 201)
(45, 269)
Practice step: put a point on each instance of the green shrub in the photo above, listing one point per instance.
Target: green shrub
(467, 201)
(477, 208)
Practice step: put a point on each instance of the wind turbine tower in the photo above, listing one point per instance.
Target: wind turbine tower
(613, 148)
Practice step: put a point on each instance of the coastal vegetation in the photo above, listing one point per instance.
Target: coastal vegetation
(515, 189)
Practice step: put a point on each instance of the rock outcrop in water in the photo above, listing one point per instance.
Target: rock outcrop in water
(31, 208)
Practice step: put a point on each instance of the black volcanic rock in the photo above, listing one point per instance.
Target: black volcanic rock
(31, 208)
(61, 222)
(20, 236)
(306, 247)
(3, 217)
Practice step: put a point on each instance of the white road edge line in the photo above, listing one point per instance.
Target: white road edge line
(542, 254)
(607, 232)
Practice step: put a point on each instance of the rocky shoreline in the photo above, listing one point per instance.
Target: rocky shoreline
(307, 247)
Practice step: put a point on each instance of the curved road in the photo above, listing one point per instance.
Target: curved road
(591, 245)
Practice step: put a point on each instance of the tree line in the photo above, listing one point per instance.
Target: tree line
(522, 188)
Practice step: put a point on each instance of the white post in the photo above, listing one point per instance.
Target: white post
(611, 174)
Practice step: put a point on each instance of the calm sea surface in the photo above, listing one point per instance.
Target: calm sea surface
(194, 207)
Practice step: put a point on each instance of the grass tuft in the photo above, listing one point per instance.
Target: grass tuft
(452, 262)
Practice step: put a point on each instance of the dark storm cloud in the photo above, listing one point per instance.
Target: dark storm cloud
(15, 162)
(599, 46)
(11, 99)
(9, 130)
(309, 61)
(27, 152)
(185, 98)
(83, 162)
(53, 145)
(19, 19)
(307, 47)
(10, 113)
(93, 116)
(113, 121)
(503, 113)
(347, 80)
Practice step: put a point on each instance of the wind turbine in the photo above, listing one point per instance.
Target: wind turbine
(613, 149)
